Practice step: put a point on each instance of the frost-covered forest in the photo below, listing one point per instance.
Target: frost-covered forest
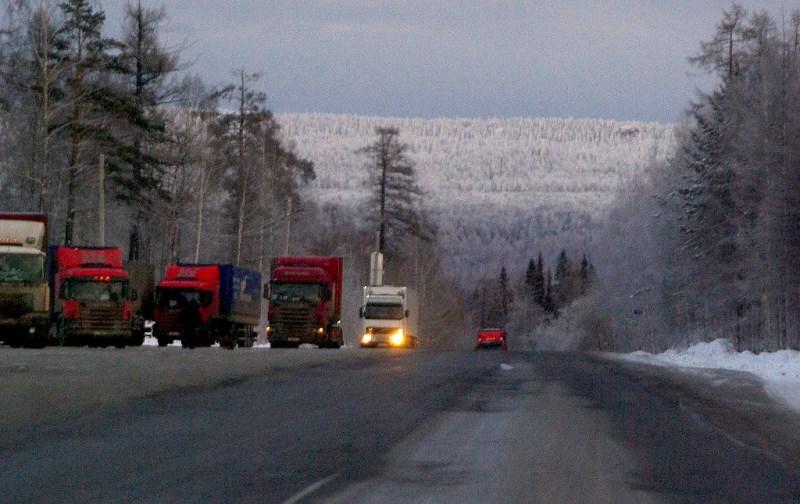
(499, 190)
(707, 244)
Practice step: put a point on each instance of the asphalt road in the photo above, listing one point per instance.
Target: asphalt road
(383, 426)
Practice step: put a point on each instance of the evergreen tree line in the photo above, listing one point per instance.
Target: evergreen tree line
(188, 171)
(537, 298)
(709, 244)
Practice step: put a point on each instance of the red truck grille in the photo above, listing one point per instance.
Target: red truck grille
(103, 318)
(293, 321)
(168, 322)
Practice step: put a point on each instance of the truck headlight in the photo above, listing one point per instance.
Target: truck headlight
(396, 339)
(366, 338)
(320, 330)
(268, 329)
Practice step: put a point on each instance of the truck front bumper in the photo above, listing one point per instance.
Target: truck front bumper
(380, 340)
(75, 329)
(35, 319)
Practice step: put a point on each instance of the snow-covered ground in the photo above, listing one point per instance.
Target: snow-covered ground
(780, 370)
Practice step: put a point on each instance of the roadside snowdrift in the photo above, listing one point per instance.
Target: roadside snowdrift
(780, 371)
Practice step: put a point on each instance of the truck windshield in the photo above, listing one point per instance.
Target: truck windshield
(295, 292)
(171, 299)
(383, 311)
(88, 290)
(21, 268)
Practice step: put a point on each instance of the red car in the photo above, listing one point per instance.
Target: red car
(491, 338)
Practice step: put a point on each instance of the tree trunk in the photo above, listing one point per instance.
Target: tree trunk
(201, 199)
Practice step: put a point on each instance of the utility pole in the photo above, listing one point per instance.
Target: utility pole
(101, 206)
(288, 224)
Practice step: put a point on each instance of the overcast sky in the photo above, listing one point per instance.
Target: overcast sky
(616, 59)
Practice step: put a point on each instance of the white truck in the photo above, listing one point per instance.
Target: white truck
(24, 293)
(390, 317)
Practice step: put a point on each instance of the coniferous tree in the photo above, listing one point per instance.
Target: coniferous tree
(396, 200)
(566, 279)
(145, 68)
(85, 54)
(586, 275)
(539, 288)
(530, 279)
(506, 297)
(563, 266)
(549, 304)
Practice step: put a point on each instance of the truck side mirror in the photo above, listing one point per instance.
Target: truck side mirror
(361, 312)
(407, 313)
(265, 294)
(326, 293)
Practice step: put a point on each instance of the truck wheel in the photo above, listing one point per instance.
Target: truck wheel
(34, 342)
(136, 340)
(163, 342)
(13, 341)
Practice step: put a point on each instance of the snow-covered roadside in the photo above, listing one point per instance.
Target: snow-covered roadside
(780, 370)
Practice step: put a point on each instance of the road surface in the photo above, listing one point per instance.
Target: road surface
(172, 425)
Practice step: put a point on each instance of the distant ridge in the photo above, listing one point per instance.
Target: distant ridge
(499, 189)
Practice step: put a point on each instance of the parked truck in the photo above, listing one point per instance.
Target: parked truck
(390, 316)
(203, 304)
(24, 293)
(305, 302)
(92, 301)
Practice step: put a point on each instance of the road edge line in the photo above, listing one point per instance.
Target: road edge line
(310, 489)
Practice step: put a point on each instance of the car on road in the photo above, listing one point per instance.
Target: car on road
(491, 338)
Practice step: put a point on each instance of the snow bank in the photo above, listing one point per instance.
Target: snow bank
(151, 341)
(780, 370)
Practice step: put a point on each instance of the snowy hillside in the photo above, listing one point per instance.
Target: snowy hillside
(499, 189)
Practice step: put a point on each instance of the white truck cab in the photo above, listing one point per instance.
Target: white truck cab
(390, 316)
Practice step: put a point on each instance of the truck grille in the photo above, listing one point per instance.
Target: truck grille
(15, 305)
(103, 318)
(168, 321)
(293, 321)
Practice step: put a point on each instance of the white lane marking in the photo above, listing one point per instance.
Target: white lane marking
(302, 494)
(506, 367)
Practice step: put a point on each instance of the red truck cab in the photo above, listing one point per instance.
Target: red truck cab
(491, 338)
(305, 301)
(182, 285)
(91, 298)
